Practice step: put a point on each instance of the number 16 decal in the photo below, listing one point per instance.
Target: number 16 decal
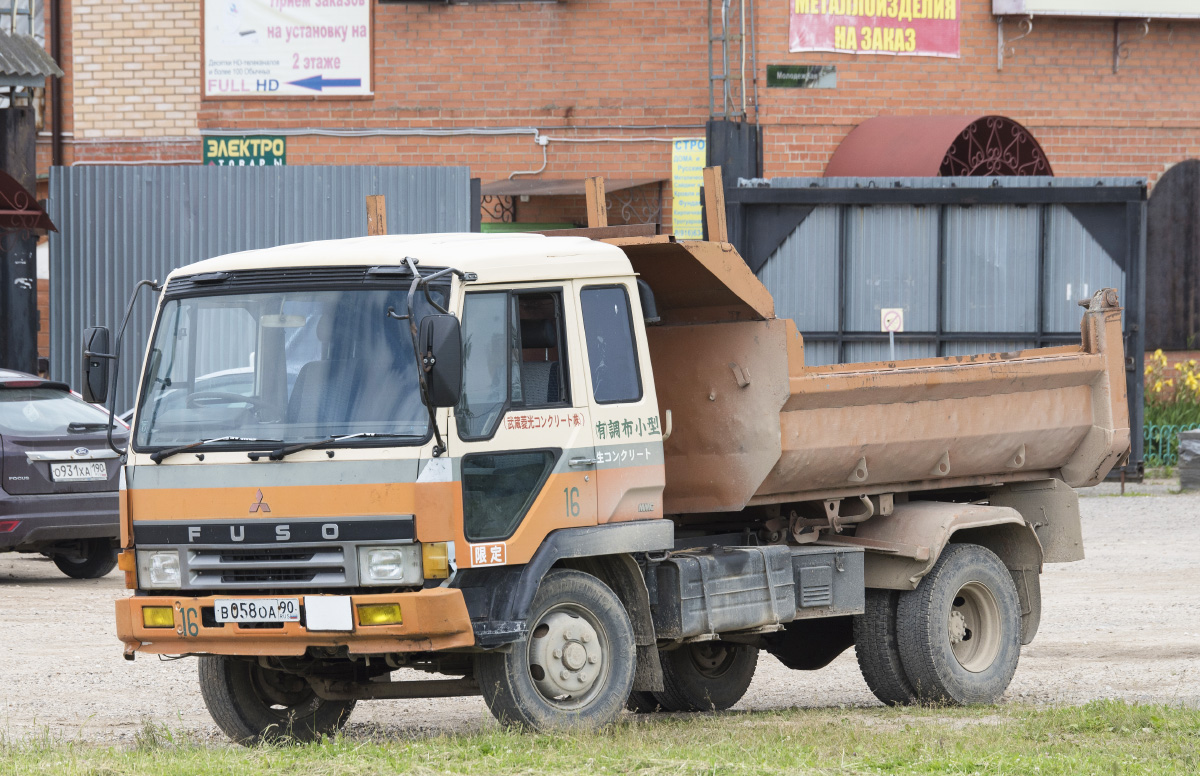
(572, 498)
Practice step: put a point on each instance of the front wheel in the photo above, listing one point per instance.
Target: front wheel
(252, 704)
(706, 675)
(960, 631)
(95, 558)
(574, 670)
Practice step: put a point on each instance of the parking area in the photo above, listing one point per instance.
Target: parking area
(1124, 623)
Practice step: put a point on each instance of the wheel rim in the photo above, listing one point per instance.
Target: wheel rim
(711, 658)
(569, 656)
(279, 691)
(973, 627)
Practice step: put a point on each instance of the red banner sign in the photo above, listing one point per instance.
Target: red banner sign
(914, 28)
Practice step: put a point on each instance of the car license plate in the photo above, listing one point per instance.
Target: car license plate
(257, 609)
(79, 471)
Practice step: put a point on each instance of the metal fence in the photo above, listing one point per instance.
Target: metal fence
(118, 225)
(1162, 443)
(976, 264)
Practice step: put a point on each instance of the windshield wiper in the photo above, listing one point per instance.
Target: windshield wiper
(159, 455)
(283, 452)
(80, 427)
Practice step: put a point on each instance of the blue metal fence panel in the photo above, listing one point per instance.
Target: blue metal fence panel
(118, 225)
(1076, 268)
(891, 261)
(991, 260)
(802, 278)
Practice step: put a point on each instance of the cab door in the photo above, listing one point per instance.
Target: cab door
(630, 471)
(522, 441)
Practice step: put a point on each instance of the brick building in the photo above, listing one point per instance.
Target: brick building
(608, 82)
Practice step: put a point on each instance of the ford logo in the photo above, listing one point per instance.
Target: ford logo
(82, 452)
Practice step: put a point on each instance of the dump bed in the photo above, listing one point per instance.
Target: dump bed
(753, 424)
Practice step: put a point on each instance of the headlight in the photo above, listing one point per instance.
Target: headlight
(399, 565)
(158, 569)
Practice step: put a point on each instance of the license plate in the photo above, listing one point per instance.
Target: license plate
(257, 609)
(79, 471)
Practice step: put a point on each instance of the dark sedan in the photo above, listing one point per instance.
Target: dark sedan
(58, 476)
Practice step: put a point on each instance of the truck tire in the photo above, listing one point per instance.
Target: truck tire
(642, 702)
(878, 651)
(960, 630)
(574, 670)
(96, 558)
(252, 704)
(706, 675)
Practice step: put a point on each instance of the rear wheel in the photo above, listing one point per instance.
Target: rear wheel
(960, 630)
(93, 559)
(878, 651)
(574, 671)
(706, 675)
(252, 704)
(642, 702)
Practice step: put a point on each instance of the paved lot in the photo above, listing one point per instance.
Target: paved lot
(1123, 623)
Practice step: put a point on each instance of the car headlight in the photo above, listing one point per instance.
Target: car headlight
(158, 569)
(396, 565)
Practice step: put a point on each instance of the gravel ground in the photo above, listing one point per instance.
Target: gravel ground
(1124, 623)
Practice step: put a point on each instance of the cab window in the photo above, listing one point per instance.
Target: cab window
(608, 330)
(514, 357)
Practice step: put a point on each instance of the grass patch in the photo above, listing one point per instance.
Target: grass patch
(1103, 737)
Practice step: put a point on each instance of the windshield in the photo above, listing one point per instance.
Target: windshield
(285, 366)
(46, 412)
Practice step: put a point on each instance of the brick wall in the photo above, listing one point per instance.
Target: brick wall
(1058, 83)
(586, 69)
(570, 68)
(136, 75)
(43, 304)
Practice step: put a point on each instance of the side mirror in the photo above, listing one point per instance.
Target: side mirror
(441, 356)
(95, 365)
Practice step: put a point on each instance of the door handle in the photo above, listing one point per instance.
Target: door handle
(583, 461)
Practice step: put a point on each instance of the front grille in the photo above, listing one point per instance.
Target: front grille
(253, 567)
(264, 556)
(282, 575)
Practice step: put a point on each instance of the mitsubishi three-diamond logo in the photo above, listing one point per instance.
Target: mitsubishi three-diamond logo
(260, 504)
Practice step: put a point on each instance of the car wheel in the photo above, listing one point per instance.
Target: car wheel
(96, 558)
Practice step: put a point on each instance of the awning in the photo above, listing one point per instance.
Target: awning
(23, 62)
(938, 146)
(18, 208)
(548, 187)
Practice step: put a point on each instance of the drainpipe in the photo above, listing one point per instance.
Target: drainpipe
(56, 138)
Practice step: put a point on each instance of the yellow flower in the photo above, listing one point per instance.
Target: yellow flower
(1170, 383)
(1158, 386)
(1149, 368)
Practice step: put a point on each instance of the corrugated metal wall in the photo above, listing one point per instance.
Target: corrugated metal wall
(978, 264)
(118, 225)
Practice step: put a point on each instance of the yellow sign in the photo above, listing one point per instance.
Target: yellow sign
(687, 176)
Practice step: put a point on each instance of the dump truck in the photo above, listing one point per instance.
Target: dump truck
(577, 475)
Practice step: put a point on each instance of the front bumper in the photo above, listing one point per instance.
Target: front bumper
(433, 619)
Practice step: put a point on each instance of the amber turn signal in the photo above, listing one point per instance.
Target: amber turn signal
(379, 614)
(158, 617)
(435, 557)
